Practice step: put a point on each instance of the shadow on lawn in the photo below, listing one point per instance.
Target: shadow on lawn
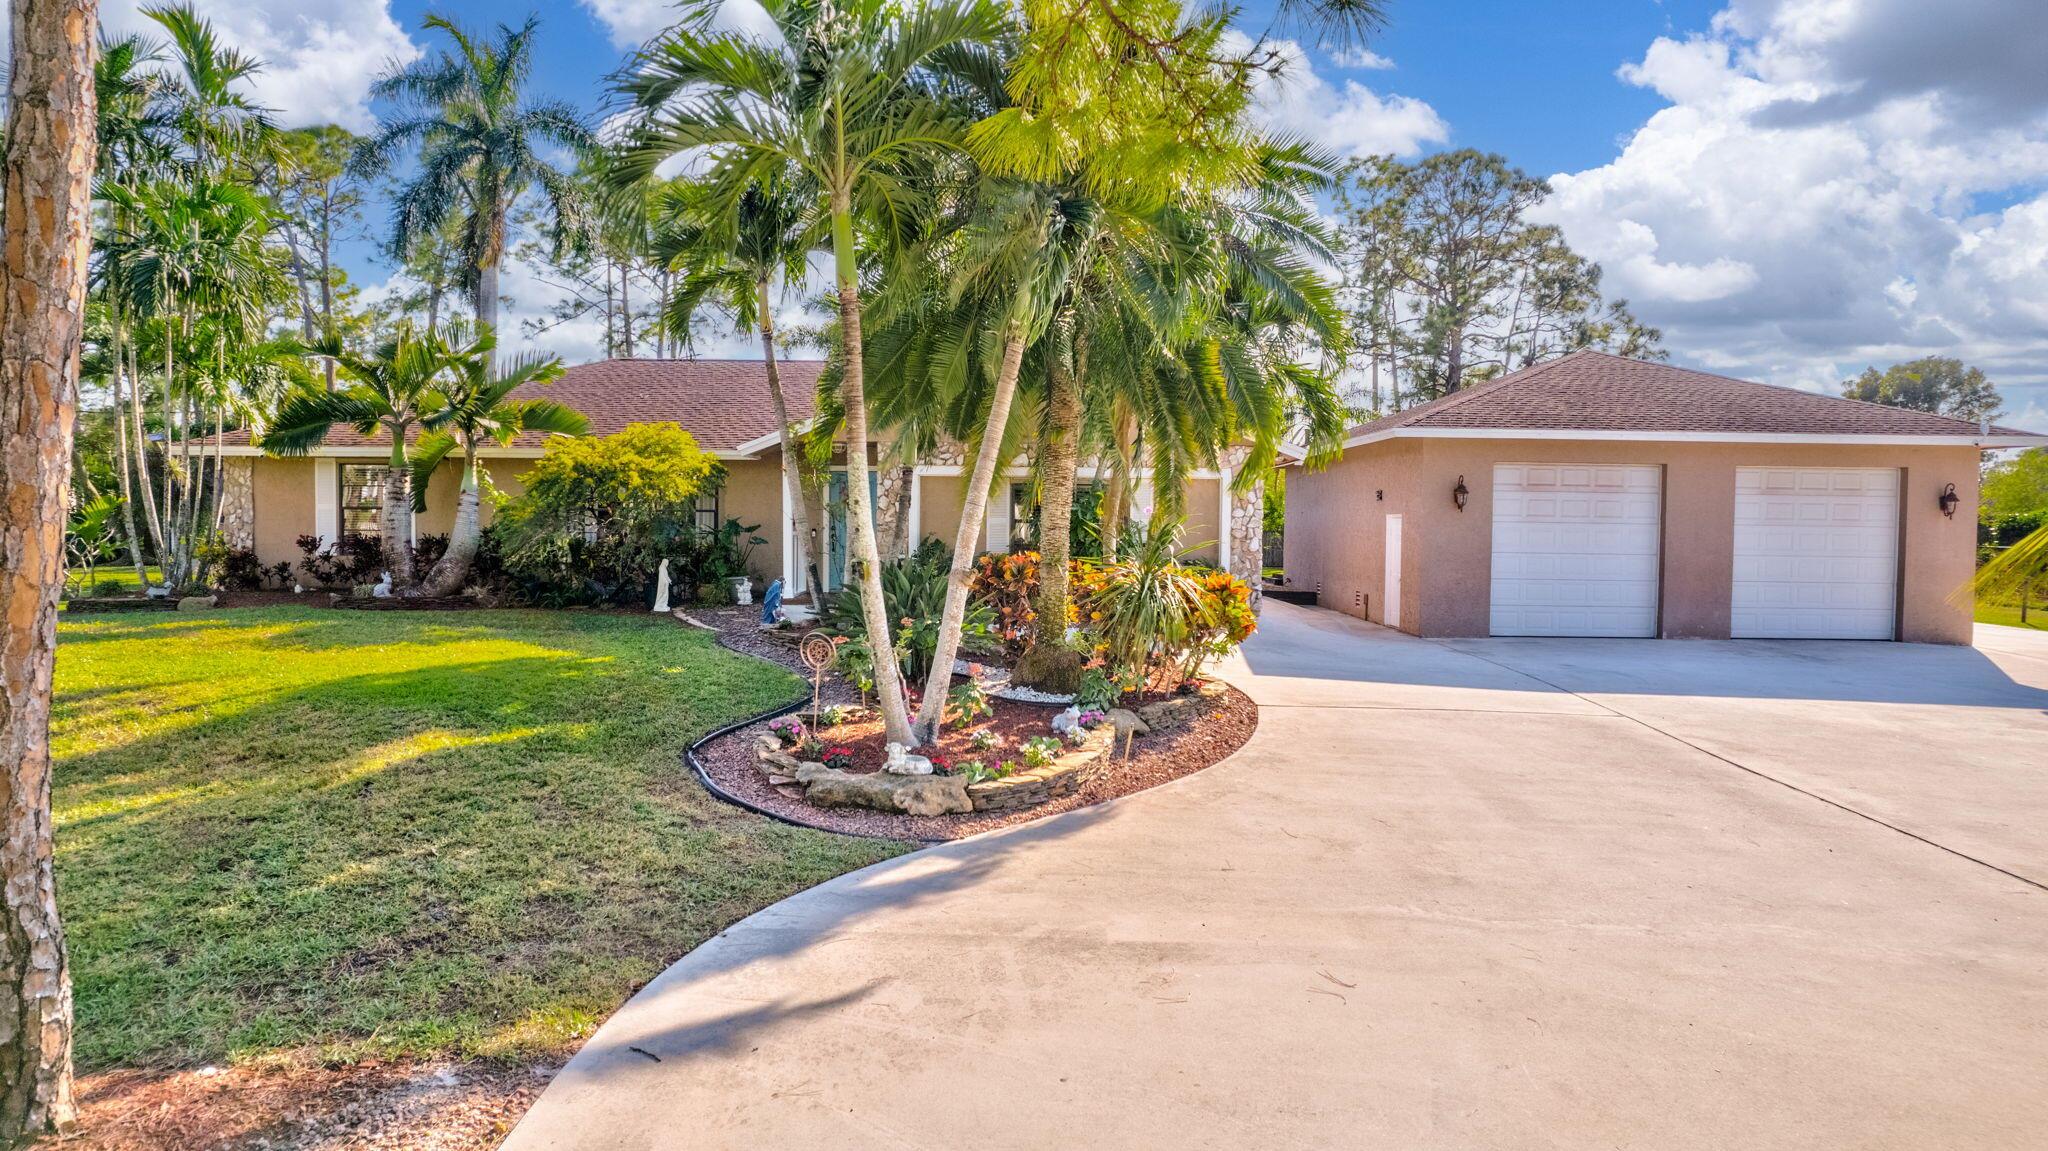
(350, 857)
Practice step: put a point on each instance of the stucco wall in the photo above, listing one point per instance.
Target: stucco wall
(939, 503)
(283, 507)
(1937, 554)
(1335, 542)
(753, 496)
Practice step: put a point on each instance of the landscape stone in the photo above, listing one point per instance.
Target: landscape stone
(196, 602)
(1127, 722)
(886, 791)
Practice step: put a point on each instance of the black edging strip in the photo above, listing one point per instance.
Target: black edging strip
(696, 764)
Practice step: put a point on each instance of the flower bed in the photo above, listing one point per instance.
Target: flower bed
(1199, 729)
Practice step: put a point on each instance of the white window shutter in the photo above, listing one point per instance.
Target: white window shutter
(998, 527)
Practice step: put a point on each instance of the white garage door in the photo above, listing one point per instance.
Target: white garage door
(1816, 553)
(1575, 549)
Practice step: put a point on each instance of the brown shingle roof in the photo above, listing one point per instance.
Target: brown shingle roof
(1594, 391)
(724, 403)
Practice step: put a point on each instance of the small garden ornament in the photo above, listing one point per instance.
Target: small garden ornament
(661, 589)
(901, 762)
(818, 652)
(771, 605)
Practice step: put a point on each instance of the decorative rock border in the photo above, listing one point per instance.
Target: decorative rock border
(937, 794)
(1035, 785)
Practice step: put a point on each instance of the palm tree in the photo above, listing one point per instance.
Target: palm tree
(1189, 323)
(847, 96)
(209, 114)
(736, 261)
(193, 264)
(481, 144)
(472, 407)
(133, 127)
(391, 394)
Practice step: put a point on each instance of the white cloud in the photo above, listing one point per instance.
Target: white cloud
(632, 23)
(1816, 196)
(1350, 118)
(1364, 58)
(320, 56)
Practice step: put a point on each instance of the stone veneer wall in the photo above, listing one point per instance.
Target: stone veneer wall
(1247, 525)
(238, 502)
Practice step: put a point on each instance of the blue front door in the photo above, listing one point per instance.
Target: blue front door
(835, 498)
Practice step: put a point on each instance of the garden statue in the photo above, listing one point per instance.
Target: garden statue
(771, 604)
(661, 589)
(902, 762)
(383, 588)
(742, 589)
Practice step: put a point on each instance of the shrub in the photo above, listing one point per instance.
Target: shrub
(834, 714)
(788, 729)
(240, 570)
(599, 514)
(1097, 691)
(1040, 750)
(1007, 585)
(839, 758)
(351, 560)
(913, 596)
(984, 740)
(1155, 621)
(811, 749)
(967, 702)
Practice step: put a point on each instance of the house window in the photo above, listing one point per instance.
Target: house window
(707, 511)
(362, 500)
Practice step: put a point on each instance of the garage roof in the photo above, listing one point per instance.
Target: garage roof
(1594, 395)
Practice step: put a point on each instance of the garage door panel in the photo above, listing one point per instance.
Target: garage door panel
(1816, 553)
(1575, 549)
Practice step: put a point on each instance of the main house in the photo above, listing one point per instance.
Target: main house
(1594, 495)
(270, 502)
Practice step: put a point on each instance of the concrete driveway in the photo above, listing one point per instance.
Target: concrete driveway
(1502, 893)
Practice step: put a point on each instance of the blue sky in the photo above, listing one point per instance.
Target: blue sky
(1791, 189)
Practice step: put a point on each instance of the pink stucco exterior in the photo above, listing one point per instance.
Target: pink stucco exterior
(1336, 526)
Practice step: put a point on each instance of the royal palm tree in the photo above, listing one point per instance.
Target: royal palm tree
(847, 96)
(391, 394)
(737, 261)
(471, 407)
(482, 143)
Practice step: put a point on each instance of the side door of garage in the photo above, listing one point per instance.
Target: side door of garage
(1816, 553)
(1576, 549)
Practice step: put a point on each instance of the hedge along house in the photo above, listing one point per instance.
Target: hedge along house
(270, 502)
(1594, 495)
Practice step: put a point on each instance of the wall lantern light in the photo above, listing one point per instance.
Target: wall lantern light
(1949, 500)
(1460, 494)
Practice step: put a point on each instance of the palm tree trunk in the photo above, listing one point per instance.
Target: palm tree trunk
(1116, 495)
(796, 466)
(932, 714)
(45, 179)
(1050, 665)
(396, 517)
(866, 561)
(144, 485)
(127, 465)
(452, 570)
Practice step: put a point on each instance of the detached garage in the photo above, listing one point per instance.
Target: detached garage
(1600, 496)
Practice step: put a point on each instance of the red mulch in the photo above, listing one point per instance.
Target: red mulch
(1155, 759)
(1015, 722)
(372, 1106)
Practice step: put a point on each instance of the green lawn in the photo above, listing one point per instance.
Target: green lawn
(319, 833)
(2009, 615)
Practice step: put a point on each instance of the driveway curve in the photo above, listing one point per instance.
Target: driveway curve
(1458, 895)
